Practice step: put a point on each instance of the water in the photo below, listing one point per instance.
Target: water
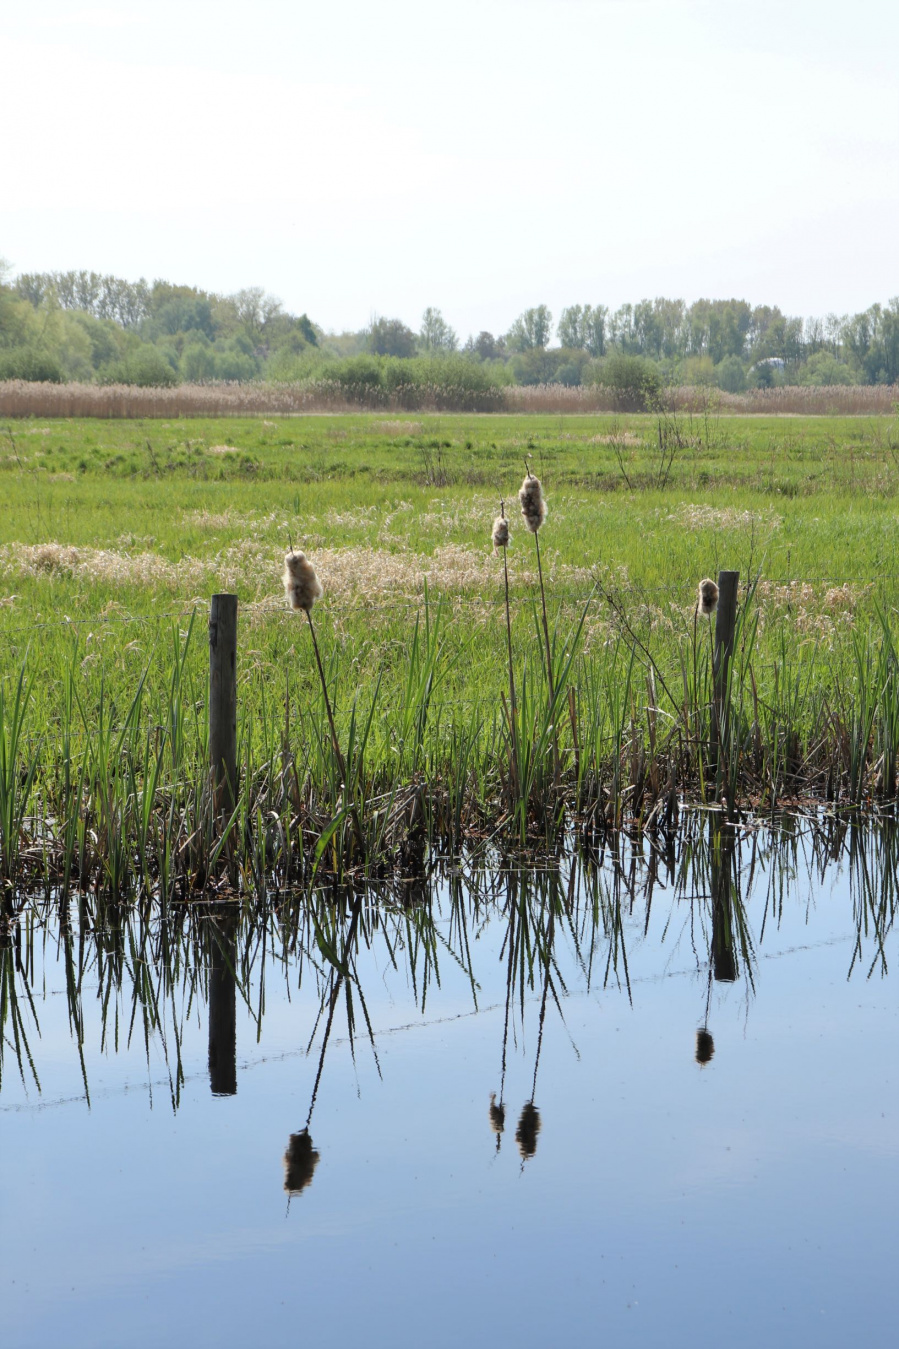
(635, 1196)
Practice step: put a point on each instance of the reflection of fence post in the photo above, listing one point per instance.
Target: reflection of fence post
(223, 701)
(222, 1010)
(725, 626)
(724, 955)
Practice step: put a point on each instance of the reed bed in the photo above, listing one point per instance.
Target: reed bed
(107, 787)
(21, 399)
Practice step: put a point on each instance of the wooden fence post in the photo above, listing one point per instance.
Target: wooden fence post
(725, 625)
(223, 702)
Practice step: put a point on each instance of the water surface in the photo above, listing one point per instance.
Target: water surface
(647, 1097)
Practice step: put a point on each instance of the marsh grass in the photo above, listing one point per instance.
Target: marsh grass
(103, 676)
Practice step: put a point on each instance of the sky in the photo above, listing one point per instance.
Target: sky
(358, 158)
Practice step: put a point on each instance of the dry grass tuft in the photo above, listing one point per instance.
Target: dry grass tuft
(700, 517)
(397, 428)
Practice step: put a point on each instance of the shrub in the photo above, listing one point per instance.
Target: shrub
(634, 382)
(145, 366)
(30, 364)
(730, 375)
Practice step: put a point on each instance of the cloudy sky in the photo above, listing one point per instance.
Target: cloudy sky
(356, 157)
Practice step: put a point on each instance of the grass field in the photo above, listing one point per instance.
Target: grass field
(114, 533)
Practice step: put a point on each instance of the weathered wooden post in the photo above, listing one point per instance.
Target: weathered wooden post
(223, 702)
(725, 626)
(222, 1009)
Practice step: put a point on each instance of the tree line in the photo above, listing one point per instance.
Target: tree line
(84, 325)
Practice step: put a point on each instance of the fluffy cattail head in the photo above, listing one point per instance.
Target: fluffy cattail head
(705, 1047)
(497, 1114)
(500, 532)
(708, 596)
(533, 505)
(301, 585)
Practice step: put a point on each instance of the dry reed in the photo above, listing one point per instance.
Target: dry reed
(19, 398)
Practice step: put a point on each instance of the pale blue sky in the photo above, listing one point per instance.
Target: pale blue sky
(479, 156)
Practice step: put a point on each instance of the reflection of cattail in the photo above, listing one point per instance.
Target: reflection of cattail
(708, 596)
(533, 505)
(497, 1115)
(705, 1047)
(301, 585)
(300, 1161)
(527, 1131)
(500, 532)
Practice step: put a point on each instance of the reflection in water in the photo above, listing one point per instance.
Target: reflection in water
(712, 893)
(705, 1047)
(497, 1118)
(222, 1008)
(527, 1131)
(300, 1161)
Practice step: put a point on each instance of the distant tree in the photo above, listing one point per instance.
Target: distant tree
(435, 335)
(391, 337)
(531, 330)
(596, 318)
(572, 329)
(486, 347)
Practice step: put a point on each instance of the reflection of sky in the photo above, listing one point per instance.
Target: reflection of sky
(752, 1200)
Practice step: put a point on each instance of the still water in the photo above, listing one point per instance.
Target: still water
(645, 1097)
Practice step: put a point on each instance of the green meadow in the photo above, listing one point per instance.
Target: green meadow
(115, 534)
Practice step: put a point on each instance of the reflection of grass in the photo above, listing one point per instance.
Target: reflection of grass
(155, 520)
(713, 895)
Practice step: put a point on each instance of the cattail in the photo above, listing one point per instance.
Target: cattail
(527, 1131)
(300, 1161)
(533, 505)
(497, 1114)
(708, 596)
(500, 532)
(301, 585)
(705, 1047)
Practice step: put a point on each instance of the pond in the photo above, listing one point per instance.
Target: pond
(644, 1094)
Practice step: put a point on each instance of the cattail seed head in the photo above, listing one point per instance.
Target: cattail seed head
(708, 596)
(301, 585)
(500, 532)
(533, 505)
(497, 1114)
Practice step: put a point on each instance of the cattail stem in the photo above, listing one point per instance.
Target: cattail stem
(338, 753)
(549, 659)
(513, 705)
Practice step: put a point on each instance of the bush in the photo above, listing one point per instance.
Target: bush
(31, 365)
(823, 368)
(569, 375)
(730, 375)
(145, 366)
(634, 382)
